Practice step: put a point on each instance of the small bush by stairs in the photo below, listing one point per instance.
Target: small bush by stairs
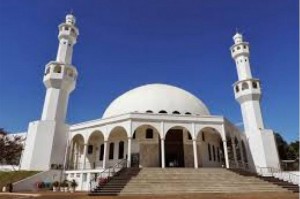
(154, 181)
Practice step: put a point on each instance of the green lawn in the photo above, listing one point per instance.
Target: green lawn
(14, 176)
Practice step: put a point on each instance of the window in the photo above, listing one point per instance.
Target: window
(214, 152)
(238, 48)
(70, 72)
(254, 85)
(218, 154)
(209, 152)
(111, 151)
(245, 47)
(162, 111)
(90, 149)
(176, 112)
(246, 60)
(188, 113)
(84, 177)
(101, 152)
(121, 150)
(66, 28)
(237, 89)
(149, 133)
(57, 69)
(149, 111)
(244, 152)
(233, 50)
(245, 86)
(203, 136)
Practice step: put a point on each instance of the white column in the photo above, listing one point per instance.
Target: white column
(162, 142)
(234, 153)
(129, 152)
(225, 153)
(195, 153)
(105, 154)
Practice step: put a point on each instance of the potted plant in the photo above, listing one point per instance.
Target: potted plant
(66, 186)
(73, 186)
(55, 186)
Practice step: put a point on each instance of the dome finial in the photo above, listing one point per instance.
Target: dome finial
(70, 18)
(238, 37)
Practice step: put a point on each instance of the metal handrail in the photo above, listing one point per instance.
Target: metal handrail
(273, 171)
(107, 174)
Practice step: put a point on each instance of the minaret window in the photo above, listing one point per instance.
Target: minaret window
(66, 28)
(57, 69)
(162, 111)
(245, 47)
(254, 85)
(245, 86)
(237, 89)
(238, 48)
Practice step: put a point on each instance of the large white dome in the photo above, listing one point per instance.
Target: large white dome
(156, 98)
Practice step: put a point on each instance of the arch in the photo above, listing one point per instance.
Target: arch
(146, 151)
(245, 86)
(149, 111)
(210, 147)
(176, 112)
(77, 146)
(57, 69)
(178, 147)
(163, 111)
(94, 143)
(188, 113)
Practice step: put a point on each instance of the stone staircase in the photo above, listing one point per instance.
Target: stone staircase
(284, 184)
(152, 181)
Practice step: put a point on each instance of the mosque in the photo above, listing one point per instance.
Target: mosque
(168, 127)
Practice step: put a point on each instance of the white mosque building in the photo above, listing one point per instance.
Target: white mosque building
(169, 127)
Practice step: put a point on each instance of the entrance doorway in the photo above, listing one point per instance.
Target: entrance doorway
(174, 150)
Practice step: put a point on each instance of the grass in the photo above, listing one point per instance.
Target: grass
(14, 176)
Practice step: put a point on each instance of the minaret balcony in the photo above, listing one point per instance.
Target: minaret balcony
(248, 89)
(240, 49)
(57, 74)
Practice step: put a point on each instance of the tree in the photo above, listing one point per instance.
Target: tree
(11, 147)
(287, 151)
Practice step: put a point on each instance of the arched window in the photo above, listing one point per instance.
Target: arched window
(189, 136)
(101, 152)
(237, 89)
(162, 111)
(245, 47)
(57, 69)
(149, 133)
(254, 85)
(134, 135)
(149, 111)
(176, 112)
(214, 152)
(209, 152)
(238, 48)
(245, 86)
(111, 151)
(70, 72)
(188, 113)
(121, 150)
(244, 152)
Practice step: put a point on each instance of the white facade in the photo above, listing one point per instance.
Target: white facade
(155, 125)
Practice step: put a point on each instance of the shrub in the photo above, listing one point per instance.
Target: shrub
(55, 184)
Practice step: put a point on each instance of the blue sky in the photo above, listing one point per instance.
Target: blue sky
(125, 44)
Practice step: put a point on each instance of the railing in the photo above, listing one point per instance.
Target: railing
(278, 173)
(104, 176)
(81, 166)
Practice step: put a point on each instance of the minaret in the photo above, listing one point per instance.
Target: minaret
(46, 139)
(247, 90)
